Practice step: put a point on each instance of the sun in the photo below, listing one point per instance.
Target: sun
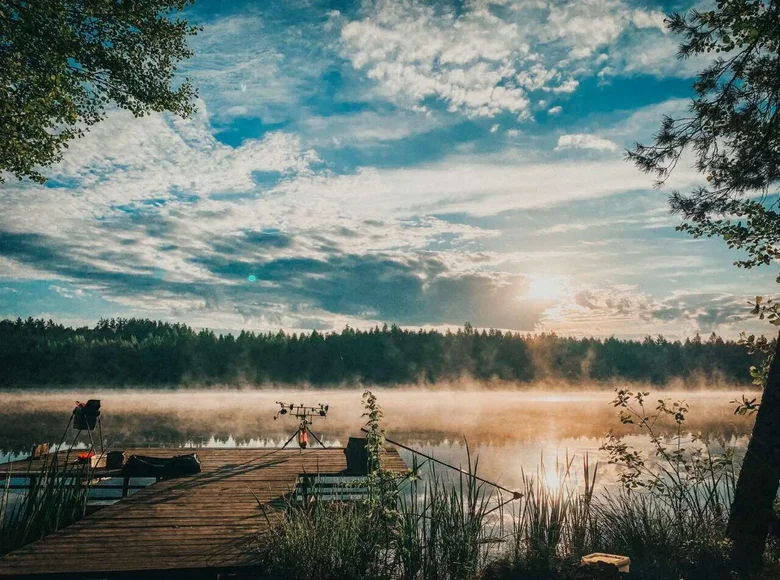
(547, 288)
(552, 479)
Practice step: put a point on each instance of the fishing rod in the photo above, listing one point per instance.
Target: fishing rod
(515, 494)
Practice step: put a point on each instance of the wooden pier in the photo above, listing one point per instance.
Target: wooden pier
(207, 523)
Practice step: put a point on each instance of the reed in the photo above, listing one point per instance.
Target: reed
(55, 497)
(326, 540)
(459, 529)
(670, 519)
(439, 528)
(446, 529)
(553, 524)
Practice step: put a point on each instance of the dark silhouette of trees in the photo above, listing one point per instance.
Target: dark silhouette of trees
(136, 352)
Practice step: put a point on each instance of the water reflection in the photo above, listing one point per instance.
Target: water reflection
(512, 432)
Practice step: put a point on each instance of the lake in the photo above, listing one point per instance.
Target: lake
(511, 431)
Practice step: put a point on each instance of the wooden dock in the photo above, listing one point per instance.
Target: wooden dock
(206, 523)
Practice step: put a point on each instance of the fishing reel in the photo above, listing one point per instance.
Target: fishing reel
(301, 411)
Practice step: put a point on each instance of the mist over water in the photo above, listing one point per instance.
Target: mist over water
(510, 430)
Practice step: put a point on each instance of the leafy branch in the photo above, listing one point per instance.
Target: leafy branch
(682, 470)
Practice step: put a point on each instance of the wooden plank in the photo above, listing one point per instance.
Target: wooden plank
(211, 520)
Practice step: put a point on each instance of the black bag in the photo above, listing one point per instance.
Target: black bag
(85, 415)
(144, 466)
(115, 459)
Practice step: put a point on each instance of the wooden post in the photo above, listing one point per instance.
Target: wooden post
(305, 488)
(600, 565)
(125, 486)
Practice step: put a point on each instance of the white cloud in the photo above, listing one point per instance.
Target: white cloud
(367, 127)
(157, 197)
(485, 59)
(162, 198)
(156, 170)
(587, 25)
(70, 293)
(585, 141)
(151, 194)
(471, 61)
(562, 228)
(622, 129)
(567, 86)
(653, 53)
(648, 19)
(536, 77)
(478, 186)
(625, 310)
(642, 124)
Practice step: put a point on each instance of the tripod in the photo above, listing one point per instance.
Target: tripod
(86, 417)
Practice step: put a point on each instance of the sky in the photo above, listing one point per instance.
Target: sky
(359, 163)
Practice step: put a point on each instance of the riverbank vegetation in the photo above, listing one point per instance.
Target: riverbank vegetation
(669, 515)
(139, 352)
(55, 496)
(448, 530)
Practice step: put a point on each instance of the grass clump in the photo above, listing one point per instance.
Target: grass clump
(327, 541)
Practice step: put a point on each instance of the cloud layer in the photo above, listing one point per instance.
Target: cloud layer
(417, 163)
(485, 58)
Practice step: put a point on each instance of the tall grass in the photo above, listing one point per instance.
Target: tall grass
(446, 528)
(438, 529)
(55, 498)
(327, 541)
(457, 530)
(661, 542)
(669, 516)
(553, 524)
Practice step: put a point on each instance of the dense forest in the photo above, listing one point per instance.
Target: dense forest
(136, 352)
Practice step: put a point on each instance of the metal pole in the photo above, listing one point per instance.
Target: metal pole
(515, 494)
(91, 441)
(289, 440)
(100, 430)
(317, 438)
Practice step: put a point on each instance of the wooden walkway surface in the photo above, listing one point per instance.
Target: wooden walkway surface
(209, 521)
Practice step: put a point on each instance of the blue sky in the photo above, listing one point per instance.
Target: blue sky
(423, 164)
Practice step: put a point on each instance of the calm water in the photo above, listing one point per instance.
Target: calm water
(510, 431)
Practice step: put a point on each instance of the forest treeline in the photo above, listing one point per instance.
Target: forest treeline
(139, 352)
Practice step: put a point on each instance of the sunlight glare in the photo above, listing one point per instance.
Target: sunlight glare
(547, 288)
(552, 479)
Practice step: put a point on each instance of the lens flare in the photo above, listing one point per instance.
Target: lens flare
(252, 278)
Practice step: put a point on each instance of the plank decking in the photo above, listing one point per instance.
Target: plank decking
(210, 521)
